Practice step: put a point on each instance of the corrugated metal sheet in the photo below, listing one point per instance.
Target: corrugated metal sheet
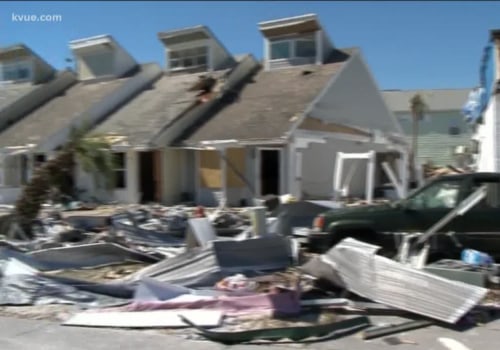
(204, 267)
(394, 284)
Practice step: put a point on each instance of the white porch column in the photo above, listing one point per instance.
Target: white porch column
(223, 168)
(337, 175)
(132, 176)
(370, 177)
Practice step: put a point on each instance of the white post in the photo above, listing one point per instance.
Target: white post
(319, 46)
(223, 165)
(337, 175)
(370, 177)
(267, 54)
(403, 171)
(394, 180)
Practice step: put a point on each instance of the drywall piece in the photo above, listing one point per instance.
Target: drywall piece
(392, 283)
(200, 233)
(146, 319)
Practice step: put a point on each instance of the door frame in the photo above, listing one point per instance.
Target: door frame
(281, 158)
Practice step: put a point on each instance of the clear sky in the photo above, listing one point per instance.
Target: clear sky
(406, 44)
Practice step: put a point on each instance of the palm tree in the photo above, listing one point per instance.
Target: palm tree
(92, 153)
(418, 107)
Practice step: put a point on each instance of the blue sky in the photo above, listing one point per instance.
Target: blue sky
(406, 44)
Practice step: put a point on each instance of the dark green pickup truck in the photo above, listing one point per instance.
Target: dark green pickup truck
(479, 228)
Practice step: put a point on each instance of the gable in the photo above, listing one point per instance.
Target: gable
(353, 99)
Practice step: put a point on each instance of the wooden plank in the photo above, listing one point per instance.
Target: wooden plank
(237, 158)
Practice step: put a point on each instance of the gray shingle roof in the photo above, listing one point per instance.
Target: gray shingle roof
(56, 113)
(9, 93)
(436, 100)
(147, 114)
(265, 107)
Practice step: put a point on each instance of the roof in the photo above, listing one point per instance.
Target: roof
(11, 92)
(56, 113)
(148, 113)
(436, 100)
(266, 107)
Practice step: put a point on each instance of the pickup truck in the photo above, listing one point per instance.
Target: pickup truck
(478, 228)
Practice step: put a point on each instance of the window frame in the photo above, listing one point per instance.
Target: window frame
(292, 42)
(120, 170)
(195, 55)
(16, 68)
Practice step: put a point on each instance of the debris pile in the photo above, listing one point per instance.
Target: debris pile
(216, 273)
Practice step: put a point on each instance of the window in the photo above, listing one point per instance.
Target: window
(280, 50)
(120, 170)
(492, 199)
(194, 57)
(438, 195)
(305, 48)
(302, 47)
(15, 71)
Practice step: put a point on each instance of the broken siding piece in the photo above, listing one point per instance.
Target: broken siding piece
(394, 284)
(146, 319)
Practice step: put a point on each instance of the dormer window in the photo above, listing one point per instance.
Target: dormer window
(290, 48)
(188, 58)
(16, 71)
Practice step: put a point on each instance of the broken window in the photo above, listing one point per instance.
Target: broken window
(439, 195)
(120, 170)
(188, 58)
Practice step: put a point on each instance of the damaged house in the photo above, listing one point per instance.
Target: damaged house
(282, 131)
(199, 72)
(106, 77)
(26, 82)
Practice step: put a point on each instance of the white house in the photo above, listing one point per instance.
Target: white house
(106, 77)
(199, 72)
(282, 131)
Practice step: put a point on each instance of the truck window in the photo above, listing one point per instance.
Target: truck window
(442, 194)
(492, 199)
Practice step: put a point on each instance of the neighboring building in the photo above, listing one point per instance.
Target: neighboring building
(443, 130)
(26, 82)
(282, 131)
(199, 73)
(106, 77)
(482, 109)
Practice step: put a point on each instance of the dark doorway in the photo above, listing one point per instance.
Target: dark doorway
(146, 176)
(269, 172)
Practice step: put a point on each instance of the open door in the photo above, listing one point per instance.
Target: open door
(147, 172)
(269, 171)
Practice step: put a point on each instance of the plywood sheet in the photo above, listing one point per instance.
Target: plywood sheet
(237, 158)
(210, 170)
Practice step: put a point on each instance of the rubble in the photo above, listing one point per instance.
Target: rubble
(225, 269)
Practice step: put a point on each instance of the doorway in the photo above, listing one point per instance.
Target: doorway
(269, 171)
(147, 176)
